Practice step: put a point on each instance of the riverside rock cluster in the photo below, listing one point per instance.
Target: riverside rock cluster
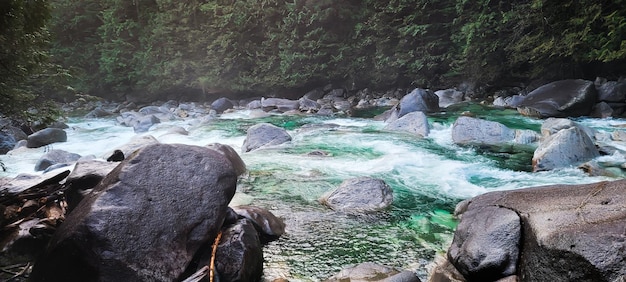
(155, 215)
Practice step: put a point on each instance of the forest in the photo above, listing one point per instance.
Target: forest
(152, 49)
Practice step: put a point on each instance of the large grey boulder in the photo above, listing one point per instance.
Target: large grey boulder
(422, 100)
(414, 122)
(264, 134)
(369, 271)
(55, 157)
(359, 195)
(145, 220)
(486, 243)
(570, 232)
(474, 131)
(563, 98)
(45, 137)
(566, 148)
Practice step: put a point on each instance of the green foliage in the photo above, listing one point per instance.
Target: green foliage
(24, 66)
(151, 46)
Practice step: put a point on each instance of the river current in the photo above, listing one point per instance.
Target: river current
(428, 176)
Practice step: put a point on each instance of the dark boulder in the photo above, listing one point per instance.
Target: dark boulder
(45, 137)
(362, 194)
(55, 157)
(563, 98)
(264, 134)
(145, 220)
(612, 91)
(239, 255)
(117, 156)
(222, 104)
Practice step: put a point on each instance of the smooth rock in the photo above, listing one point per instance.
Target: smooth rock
(486, 243)
(369, 271)
(612, 91)
(45, 137)
(359, 195)
(144, 123)
(414, 122)
(473, 131)
(55, 157)
(7, 142)
(568, 147)
(263, 135)
(222, 104)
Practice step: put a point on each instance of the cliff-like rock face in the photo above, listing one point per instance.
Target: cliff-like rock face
(567, 233)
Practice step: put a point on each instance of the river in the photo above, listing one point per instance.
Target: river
(428, 175)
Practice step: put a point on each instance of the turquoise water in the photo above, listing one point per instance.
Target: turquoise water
(428, 176)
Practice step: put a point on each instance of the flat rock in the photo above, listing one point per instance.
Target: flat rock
(264, 134)
(45, 137)
(359, 195)
(415, 123)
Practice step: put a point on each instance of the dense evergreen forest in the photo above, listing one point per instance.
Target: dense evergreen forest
(155, 48)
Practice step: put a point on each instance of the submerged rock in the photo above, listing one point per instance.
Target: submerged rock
(362, 194)
(145, 220)
(369, 271)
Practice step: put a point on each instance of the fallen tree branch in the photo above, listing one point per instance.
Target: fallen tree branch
(217, 242)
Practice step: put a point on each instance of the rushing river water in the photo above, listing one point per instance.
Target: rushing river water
(428, 176)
